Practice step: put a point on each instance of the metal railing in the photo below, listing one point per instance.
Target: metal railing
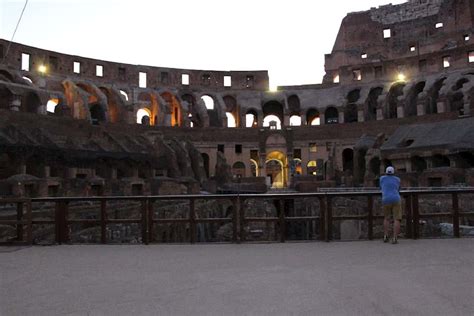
(24, 220)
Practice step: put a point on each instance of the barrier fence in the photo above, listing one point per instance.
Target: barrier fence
(149, 218)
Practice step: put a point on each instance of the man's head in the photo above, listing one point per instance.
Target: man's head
(390, 170)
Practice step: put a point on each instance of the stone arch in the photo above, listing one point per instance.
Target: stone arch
(205, 161)
(238, 169)
(6, 76)
(312, 168)
(418, 164)
(174, 107)
(411, 104)
(396, 90)
(114, 104)
(232, 109)
(374, 166)
(456, 98)
(149, 101)
(294, 106)
(210, 102)
(350, 111)
(143, 116)
(251, 118)
(433, 96)
(348, 160)
(31, 102)
(372, 103)
(313, 117)
(331, 115)
(96, 101)
(276, 169)
(273, 110)
(439, 161)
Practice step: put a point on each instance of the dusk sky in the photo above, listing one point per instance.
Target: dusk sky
(287, 38)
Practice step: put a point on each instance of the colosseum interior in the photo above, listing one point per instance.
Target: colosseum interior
(398, 90)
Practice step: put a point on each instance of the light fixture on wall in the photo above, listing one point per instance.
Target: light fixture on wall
(401, 77)
(42, 69)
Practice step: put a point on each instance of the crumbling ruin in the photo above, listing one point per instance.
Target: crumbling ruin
(398, 90)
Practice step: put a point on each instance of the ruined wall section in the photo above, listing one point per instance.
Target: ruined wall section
(122, 74)
(422, 33)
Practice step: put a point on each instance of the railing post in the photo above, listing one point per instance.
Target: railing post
(328, 226)
(416, 216)
(145, 222)
(456, 231)
(192, 221)
(242, 221)
(19, 219)
(282, 220)
(103, 221)
(29, 227)
(322, 218)
(150, 220)
(409, 216)
(370, 217)
(62, 228)
(235, 219)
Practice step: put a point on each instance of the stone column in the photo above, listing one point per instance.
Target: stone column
(47, 171)
(400, 112)
(360, 116)
(441, 107)
(420, 109)
(379, 115)
(341, 117)
(322, 119)
(286, 120)
(261, 165)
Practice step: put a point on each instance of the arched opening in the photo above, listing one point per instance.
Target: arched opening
(208, 102)
(433, 96)
(272, 121)
(253, 168)
(392, 100)
(143, 116)
(411, 105)
(114, 104)
(348, 161)
(51, 105)
(439, 161)
(418, 164)
(231, 121)
(312, 168)
(175, 108)
(238, 169)
(276, 170)
(97, 114)
(205, 161)
(350, 113)
(294, 104)
(312, 117)
(295, 120)
(273, 112)
(387, 163)
(372, 104)
(456, 103)
(232, 111)
(32, 102)
(251, 118)
(297, 166)
(331, 115)
(465, 160)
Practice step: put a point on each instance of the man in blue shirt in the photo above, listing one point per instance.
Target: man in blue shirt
(391, 202)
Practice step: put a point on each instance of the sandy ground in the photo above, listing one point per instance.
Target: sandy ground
(422, 277)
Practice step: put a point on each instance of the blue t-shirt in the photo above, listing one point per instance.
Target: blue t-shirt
(390, 185)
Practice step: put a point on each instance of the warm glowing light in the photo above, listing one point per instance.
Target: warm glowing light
(273, 88)
(51, 105)
(401, 77)
(141, 113)
(42, 68)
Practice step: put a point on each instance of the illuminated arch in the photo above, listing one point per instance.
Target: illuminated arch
(174, 107)
(142, 115)
(276, 166)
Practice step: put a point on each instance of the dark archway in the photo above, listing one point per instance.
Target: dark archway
(294, 105)
(392, 100)
(348, 160)
(97, 114)
(418, 164)
(331, 115)
(311, 117)
(439, 161)
(433, 96)
(372, 104)
(205, 161)
(411, 104)
(32, 102)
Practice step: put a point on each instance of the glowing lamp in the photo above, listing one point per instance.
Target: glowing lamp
(42, 69)
(401, 77)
